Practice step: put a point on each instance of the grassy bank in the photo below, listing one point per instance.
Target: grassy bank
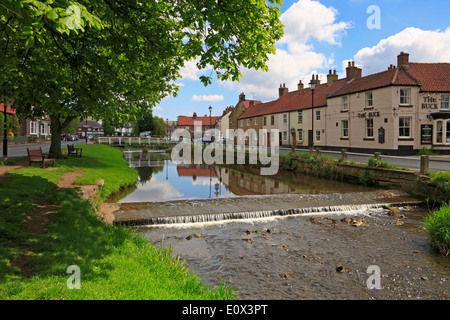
(114, 262)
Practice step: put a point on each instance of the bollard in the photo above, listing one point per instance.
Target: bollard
(424, 164)
(317, 152)
(311, 152)
(343, 155)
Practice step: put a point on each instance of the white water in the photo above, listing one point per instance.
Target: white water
(188, 220)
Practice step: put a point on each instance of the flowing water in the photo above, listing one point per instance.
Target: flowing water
(286, 237)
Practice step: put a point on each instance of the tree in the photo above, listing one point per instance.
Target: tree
(116, 59)
(146, 123)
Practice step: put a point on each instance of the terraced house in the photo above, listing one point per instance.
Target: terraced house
(397, 111)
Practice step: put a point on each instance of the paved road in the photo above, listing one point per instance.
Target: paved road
(20, 150)
(437, 163)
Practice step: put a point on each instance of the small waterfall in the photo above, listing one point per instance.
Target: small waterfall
(215, 217)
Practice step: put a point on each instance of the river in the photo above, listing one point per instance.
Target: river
(313, 254)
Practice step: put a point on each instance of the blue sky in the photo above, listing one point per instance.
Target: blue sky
(323, 35)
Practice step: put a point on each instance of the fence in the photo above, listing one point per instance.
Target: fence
(122, 141)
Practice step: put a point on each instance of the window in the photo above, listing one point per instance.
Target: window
(443, 131)
(284, 118)
(369, 100)
(33, 127)
(272, 120)
(300, 135)
(448, 132)
(285, 135)
(256, 121)
(369, 128)
(248, 122)
(404, 127)
(439, 125)
(43, 132)
(445, 98)
(405, 96)
(318, 115)
(318, 135)
(344, 130)
(345, 103)
(265, 120)
(300, 117)
(242, 123)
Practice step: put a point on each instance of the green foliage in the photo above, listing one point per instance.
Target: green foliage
(441, 180)
(365, 179)
(382, 164)
(427, 151)
(437, 225)
(117, 61)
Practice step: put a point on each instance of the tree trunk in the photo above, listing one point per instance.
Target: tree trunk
(55, 145)
(57, 127)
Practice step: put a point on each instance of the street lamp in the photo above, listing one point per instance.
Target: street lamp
(167, 127)
(210, 127)
(312, 85)
(210, 109)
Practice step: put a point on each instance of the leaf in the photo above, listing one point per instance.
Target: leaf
(52, 14)
(29, 43)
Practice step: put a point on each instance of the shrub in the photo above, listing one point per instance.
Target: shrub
(437, 225)
(365, 179)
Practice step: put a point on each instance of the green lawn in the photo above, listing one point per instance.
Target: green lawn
(114, 262)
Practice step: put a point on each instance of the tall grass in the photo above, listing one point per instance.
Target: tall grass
(437, 224)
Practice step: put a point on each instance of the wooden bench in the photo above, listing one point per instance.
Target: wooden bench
(36, 156)
(71, 150)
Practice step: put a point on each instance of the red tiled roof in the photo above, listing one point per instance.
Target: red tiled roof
(198, 172)
(295, 100)
(189, 121)
(249, 103)
(433, 77)
(8, 109)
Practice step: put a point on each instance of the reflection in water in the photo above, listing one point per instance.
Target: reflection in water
(161, 180)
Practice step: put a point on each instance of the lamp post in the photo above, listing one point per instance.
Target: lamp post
(210, 109)
(167, 127)
(312, 85)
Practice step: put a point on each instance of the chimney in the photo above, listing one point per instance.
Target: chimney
(282, 90)
(194, 116)
(315, 79)
(242, 97)
(331, 77)
(403, 59)
(353, 72)
(300, 85)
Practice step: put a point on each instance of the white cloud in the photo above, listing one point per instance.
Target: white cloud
(190, 70)
(422, 46)
(209, 98)
(295, 59)
(158, 108)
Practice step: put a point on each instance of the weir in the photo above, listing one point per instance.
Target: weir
(255, 207)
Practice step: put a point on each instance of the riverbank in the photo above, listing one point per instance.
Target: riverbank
(46, 228)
